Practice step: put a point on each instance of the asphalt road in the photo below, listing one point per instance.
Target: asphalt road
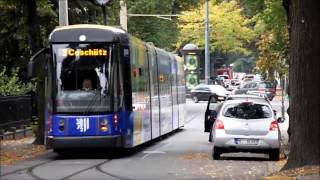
(185, 154)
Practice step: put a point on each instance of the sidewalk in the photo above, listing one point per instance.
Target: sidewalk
(17, 150)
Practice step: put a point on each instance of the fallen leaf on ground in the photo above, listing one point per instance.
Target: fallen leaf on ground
(294, 172)
(16, 150)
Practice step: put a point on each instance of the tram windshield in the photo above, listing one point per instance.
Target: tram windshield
(82, 77)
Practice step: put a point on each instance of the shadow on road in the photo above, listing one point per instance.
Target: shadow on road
(244, 158)
(109, 153)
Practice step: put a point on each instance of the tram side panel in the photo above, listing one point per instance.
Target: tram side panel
(164, 68)
(154, 91)
(140, 117)
(181, 90)
(174, 92)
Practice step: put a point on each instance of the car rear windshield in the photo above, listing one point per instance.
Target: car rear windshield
(265, 85)
(247, 110)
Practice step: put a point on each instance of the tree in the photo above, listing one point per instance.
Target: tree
(271, 25)
(229, 32)
(162, 32)
(304, 77)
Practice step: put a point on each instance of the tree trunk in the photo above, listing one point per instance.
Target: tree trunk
(33, 28)
(304, 74)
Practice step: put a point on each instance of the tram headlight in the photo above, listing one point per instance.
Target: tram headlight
(61, 124)
(104, 125)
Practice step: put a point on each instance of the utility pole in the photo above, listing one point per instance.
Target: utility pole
(103, 3)
(123, 15)
(207, 53)
(103, 7)
(63, 13)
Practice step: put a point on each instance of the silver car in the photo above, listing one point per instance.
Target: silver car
(246, 125)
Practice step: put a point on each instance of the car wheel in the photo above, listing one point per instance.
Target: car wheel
(216, 153)
(195, 99)
(274, 155)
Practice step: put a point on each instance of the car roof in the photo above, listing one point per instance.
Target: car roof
(255, 101)
(208, 85)
(246, 96)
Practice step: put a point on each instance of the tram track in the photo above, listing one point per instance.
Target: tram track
(30, 171)
(26, 168)
(85, 169)
(99, 169)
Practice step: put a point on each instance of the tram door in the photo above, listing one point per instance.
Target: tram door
(154, 92)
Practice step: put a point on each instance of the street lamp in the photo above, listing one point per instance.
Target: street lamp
(207, 53)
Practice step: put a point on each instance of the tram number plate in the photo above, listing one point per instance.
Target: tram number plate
(246, 141)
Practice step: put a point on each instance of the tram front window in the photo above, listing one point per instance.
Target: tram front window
(82, 78)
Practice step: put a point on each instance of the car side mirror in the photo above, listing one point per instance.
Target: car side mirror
(36, 57)
(280, 120)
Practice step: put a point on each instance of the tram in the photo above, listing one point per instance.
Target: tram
(106, 88)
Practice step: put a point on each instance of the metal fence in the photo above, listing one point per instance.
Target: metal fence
(15, 111)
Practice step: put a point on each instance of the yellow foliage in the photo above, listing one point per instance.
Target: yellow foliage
(229, 29)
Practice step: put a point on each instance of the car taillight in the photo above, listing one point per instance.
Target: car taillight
(219, 124)
(273, 126)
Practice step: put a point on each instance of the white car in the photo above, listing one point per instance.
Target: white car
(246, 125)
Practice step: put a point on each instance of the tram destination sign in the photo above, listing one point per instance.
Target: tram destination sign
(84, 52)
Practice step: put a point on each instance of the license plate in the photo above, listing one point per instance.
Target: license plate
(247, 141)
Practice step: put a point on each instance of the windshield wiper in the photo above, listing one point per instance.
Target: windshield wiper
(91, 104)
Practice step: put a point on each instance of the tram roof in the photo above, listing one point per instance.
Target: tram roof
(92, 33)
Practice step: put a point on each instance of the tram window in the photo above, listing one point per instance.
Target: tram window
(79, 65)
(73, 79)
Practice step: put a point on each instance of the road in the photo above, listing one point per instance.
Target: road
(185, 154)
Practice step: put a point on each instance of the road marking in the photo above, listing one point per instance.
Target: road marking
(147, 153)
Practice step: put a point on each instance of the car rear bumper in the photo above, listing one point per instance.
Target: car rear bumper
(269, 141)
(84, 142)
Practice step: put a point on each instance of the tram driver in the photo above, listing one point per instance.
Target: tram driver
(87, 84)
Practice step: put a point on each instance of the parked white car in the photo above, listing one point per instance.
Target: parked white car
(246, 125)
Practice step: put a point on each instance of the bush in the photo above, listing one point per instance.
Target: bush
(10, 85)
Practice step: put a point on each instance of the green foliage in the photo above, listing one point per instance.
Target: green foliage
(273, 43)
(10, 85)
(162, 32)
(15, 44)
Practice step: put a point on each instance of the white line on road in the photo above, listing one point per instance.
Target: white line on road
(147, 153)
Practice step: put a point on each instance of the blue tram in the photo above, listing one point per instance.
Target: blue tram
(105, 88)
